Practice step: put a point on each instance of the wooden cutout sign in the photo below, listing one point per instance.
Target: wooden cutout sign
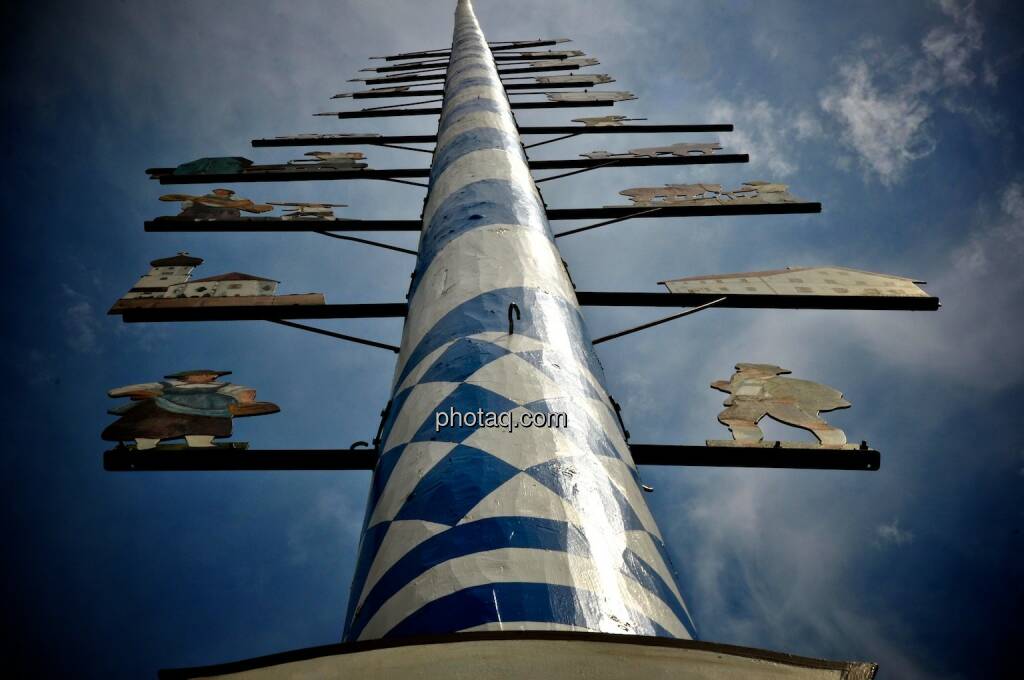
(191, 404)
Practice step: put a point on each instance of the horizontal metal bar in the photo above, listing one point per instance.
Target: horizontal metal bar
(276, 224)
(494, 47)
(441, 61)
(224, 459)
(632, 162)
(376, 94)
(243, 312)
(622, 129)
(613, 211)
(166, 175)
(360, 140)
(384, 113)
(439, 76)
(754, 301)
(289, 176)
(344, 140)
(538, 69)
(810, 458)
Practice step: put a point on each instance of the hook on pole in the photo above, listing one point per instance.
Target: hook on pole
(511, 323)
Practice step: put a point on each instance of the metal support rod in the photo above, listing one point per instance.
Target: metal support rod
(402, 181)
(651, 324)
(407, 148)
(549, 141)
(368, 242)
(576, 172)
(338, 336)
(569, 232)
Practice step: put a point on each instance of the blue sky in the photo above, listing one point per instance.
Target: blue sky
(903, 119)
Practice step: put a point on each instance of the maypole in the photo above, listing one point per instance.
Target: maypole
(473, 527)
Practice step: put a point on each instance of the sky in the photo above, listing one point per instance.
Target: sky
(903, 119)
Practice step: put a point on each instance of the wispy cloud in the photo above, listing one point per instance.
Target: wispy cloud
(892, 534)
(81, 325)
(767, 133)
(884, 102)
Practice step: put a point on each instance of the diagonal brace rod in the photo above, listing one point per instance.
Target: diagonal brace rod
(339, 336)
(651, 324)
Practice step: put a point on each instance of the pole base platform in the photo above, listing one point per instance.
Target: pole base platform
(533, 654)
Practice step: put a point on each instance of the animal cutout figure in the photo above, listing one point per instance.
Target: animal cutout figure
(680, 149)
(756, 391)
(189, 404)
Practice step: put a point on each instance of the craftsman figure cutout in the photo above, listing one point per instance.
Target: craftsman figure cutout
(219, 204)
(189, 404)
(756, 390)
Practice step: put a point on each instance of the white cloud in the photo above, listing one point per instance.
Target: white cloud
(884, 102)
(766, 132)
(953, 47)
(887, 129)
(892, 534)
(81, 326)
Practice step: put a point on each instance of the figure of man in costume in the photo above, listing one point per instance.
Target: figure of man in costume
(756, 390)
(189, 404)
(219, 204)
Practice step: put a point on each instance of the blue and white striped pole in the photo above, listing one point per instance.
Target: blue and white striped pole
(471, 528)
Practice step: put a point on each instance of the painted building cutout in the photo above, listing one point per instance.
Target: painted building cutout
(800, 281)
(191, 404)
(232, 284)
(169, 284)
(164, 273)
